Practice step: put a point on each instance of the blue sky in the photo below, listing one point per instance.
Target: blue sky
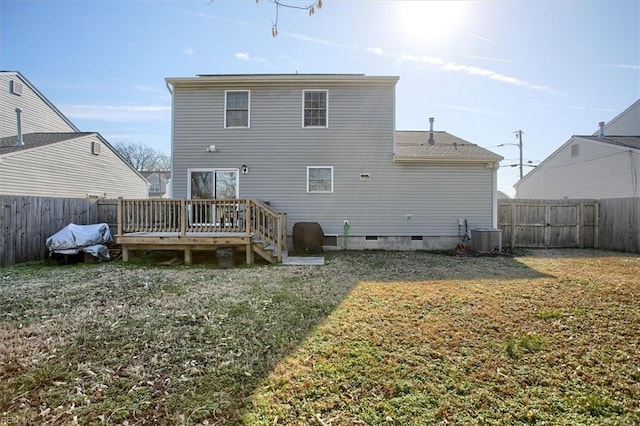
(483, 69)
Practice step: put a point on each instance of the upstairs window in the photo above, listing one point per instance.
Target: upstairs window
(320, 179)
(315, 107)
(236, 113)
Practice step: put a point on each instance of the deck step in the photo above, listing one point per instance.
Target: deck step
(303, 261)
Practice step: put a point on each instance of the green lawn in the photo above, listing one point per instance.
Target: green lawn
(371, 338)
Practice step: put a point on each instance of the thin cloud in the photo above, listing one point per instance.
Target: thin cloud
(376, 51)
(117, 113)
(188, 51)
(492, 75)
(433, 60)
(242, 55)
(484, 58)
(625, 66)
(484, 39)
(578, 107)
(315, 40)
(467, 69)
(469, 109)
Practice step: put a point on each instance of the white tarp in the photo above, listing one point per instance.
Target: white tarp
(73, 239)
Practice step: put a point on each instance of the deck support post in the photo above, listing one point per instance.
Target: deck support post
(125, 254)
(249, 249)
(187, 256)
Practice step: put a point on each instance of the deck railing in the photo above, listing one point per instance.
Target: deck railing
(249, 216)
(268, 226)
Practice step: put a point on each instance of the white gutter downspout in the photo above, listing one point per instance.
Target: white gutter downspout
(494, 209)
(19, 141)
(171, 180)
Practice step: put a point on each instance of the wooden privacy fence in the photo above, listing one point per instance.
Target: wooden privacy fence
(548, 223)
(610, 224)
(26, 222)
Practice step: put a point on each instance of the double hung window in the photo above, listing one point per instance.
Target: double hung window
(315, 106)
(236, 112)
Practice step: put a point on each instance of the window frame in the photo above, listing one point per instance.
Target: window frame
(309, 190)
(326, 109)
(226, 108)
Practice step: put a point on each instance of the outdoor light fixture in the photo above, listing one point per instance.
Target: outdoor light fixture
(244, 169)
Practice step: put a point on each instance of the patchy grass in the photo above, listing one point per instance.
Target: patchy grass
(370, 338)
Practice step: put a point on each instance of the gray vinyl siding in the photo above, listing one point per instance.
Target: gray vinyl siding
(38, 116)
(69, 169)
(599, 171)
(359, 139)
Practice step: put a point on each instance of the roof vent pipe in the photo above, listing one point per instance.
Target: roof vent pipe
(431, 141)
(19, 141)
(601, 135)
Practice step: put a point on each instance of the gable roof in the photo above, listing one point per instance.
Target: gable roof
(414, 146)
(624, 141)
(166, 174)
(41, 96)
(633, 107)
(34, 140)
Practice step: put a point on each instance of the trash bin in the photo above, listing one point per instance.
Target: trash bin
(225, 257)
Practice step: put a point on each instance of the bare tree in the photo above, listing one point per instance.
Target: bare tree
(143, 157)
(310, 7)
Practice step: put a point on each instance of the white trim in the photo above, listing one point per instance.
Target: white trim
(248, 92)
(326, 91)
(319, 167)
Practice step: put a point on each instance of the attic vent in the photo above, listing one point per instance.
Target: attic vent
(575, 150)
(15, 87)
(95, 148)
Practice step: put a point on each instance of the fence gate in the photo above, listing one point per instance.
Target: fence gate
(548, 223)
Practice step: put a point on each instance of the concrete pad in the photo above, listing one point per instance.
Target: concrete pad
(303, 261)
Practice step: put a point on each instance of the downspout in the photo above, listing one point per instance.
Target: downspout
(171, 180)
(19, 141)
(494, 184)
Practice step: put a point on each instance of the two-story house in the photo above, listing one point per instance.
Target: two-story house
(159, 181)
(42, 153)
(324, 148)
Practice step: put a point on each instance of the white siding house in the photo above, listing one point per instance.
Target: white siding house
(50, 157)
(74, 165)
(324, 148)
(605, 165)
(38, 114)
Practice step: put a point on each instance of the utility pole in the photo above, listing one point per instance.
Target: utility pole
(519, 136)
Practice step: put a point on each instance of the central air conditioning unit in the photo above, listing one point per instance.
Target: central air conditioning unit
(485, 240)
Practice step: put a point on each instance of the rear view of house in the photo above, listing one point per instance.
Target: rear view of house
(324, 148)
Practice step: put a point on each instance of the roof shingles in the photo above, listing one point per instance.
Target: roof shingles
(34, 140)
(414, 145)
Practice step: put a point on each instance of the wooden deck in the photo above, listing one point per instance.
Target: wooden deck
(190, 225)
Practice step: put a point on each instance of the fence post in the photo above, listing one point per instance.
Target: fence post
(580, 225)
(120, 215)
(596, 225)
(514, 212)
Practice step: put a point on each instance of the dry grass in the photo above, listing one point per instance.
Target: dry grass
(371, 338)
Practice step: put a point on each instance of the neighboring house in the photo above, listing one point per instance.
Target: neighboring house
(74, 165)
(38, 114)
(323, 148)
(43, 154)
(159, 182)
(603, 165)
